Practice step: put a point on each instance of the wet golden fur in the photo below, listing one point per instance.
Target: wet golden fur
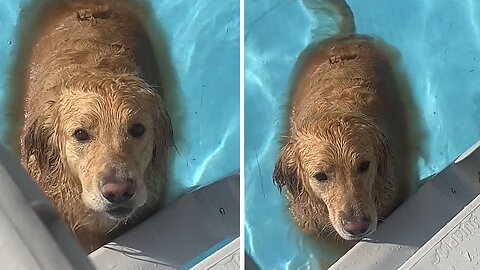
(336, 122)
(85, 72)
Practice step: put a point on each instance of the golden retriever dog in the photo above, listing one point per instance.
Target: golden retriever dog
(336, 164)
(96, 133)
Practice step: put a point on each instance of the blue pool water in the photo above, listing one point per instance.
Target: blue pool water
(439, 43)
(203, 48)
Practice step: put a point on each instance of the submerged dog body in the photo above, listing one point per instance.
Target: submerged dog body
(96, 133)
(337, 163)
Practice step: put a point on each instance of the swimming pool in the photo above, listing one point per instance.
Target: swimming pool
(440, 53)
(202, 46)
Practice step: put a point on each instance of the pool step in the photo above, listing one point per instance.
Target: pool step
(455, 246)
(32, 234)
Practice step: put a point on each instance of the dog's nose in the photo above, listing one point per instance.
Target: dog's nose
(118, 192)
(356, 226)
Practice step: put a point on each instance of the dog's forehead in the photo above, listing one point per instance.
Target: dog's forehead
(336, 137)
(92, 108)
(118, 99)
(334, 151)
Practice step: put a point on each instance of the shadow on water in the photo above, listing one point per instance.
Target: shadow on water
(164, 68)
(404, 123)
(27, 31)
(153, 56)
(476, 99)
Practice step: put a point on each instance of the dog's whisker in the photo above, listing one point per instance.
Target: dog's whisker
(153, 196)
(117, 224)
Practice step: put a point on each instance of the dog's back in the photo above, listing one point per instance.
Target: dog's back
(350, 69)
(64, 44)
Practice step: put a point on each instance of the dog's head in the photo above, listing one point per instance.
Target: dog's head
(340, 163)
(108, 137)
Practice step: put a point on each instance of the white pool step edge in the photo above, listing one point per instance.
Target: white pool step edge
(227, 258)
(455, 245)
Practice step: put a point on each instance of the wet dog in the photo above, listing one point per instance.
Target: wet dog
(96, 133)
(337, 162)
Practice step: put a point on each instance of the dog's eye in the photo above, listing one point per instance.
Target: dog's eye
(137, 130)
(321, 176)
(81, 135)
(364, 166)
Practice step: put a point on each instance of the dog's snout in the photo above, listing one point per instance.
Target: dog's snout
(355, 225)
(118, 192)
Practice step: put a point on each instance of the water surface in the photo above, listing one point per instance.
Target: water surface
(439, 43)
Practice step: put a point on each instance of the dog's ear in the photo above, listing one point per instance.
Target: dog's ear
(164, 138)
(384, 156)
(384, 186)
(285, 173)
(39, 139)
